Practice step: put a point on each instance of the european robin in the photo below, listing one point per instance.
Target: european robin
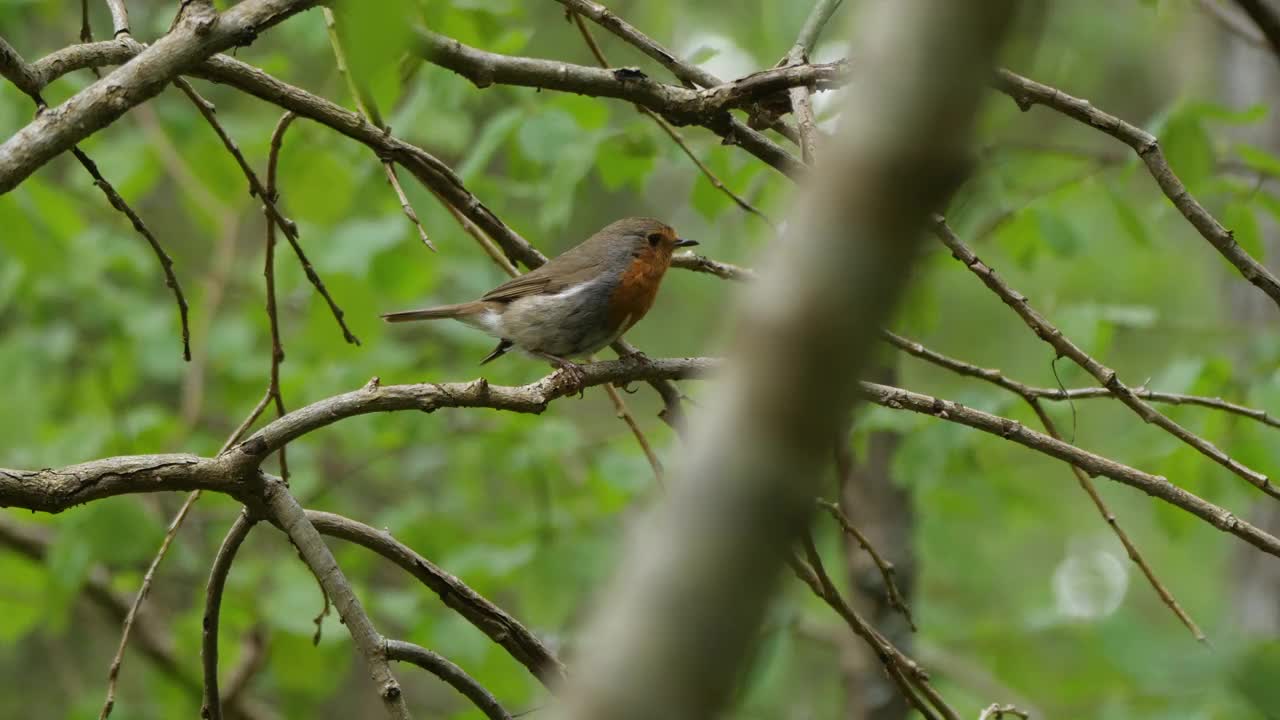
(578, 302)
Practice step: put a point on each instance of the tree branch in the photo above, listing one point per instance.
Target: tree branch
(199, 33)
(1026, 93)
(493, 621)
(456, 677)
(211, 708)
(1104, 375)
(234, 472)
(681, 106)
(285, 511)
(1029, 395)
(1153, 485)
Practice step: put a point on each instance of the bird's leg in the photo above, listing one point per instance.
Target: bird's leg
(630, 355)
(572, 371)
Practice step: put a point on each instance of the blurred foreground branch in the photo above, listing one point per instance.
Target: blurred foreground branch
(677, 624)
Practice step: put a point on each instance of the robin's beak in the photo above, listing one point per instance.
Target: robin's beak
(683, 242)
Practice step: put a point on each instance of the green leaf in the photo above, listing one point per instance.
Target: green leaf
(352, 245)
(702, 54)
(1240, 220)
(1221, 113)
(1058, 232)
(22, 602)
(495, 132)
(374, 35)
(1127, 216)
(1258, 159)
(545, 136)
(1188, 148)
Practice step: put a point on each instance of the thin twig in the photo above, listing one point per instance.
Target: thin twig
(287, 226)
(624, 414)
(152, 641)
(887, 569)
(996, 377)
(995, 711)
(670, 130)
(456, 677)
(285, 512)
(368, 107)
(253, 655)
(909, 677)
(113, 673)
(15, 69)
(690, 75)
(1031, 397)
(801, 95)
(212, 704)
(148, 578)
(908, 667)
(269, 273)
(1092, 464)
(522, 644)
(166, 263)
(1105, 376)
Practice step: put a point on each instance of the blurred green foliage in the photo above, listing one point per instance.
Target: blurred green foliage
(1019, 578)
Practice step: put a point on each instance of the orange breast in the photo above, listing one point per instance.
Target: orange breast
(636, 291)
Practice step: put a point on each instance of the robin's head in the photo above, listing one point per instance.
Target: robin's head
(643, 239)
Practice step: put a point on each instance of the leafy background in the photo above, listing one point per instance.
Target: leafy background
(1021, 585)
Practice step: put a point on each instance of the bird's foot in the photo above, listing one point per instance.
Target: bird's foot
(573, 374)
(633, 354)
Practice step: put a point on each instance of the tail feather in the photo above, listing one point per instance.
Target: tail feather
(436, 313)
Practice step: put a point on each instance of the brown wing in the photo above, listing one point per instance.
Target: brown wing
(569, 268)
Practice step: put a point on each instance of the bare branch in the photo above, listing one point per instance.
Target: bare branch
(198, 34)
(287, 226)
(113, 672)
(232, 472)
(369, 109)
(667, 128)
(1029, 395)
(902, 670)
(532, 398)
(212, 705)
(801, 101)
(25, 77)
(681, 106)
(886, 568)
(456, 677)
(119, 17)
(996, 377)
(285, 511)
(690, 75)
(33, 543)
(1026, 93)
(1104, 375)
(493, 621)
(16, 70)
(1153, 485)
(700, 263)
(269, 273)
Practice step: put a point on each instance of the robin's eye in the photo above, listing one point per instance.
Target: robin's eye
(654, 239)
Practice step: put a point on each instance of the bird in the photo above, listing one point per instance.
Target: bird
(576, 303)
